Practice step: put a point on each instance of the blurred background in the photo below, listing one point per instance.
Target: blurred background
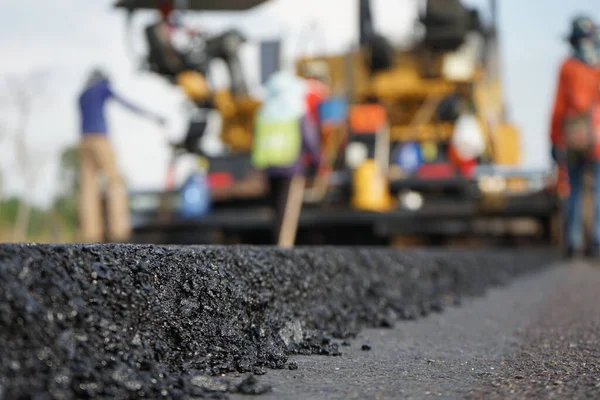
(49, 49)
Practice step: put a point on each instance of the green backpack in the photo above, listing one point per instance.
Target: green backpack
(276, 143)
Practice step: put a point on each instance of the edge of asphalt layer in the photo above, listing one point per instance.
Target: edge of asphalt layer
(168, 321)
(446, 356)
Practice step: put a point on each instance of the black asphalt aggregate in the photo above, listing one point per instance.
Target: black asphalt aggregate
(156, 321)
(537, 338)
(560, 353)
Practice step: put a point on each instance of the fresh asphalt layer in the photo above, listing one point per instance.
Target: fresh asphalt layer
(126, 321)
(535, 338)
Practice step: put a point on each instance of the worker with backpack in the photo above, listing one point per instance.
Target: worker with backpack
(283, 132)
(575, 132)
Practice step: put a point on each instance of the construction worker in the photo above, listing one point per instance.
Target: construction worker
(576, 111)
(318, 87)
(180, 52)
(284, 131)
(98, 157)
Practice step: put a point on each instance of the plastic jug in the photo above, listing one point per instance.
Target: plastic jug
(195, 196)
(371, 190)
(468, 139)
(409, 157)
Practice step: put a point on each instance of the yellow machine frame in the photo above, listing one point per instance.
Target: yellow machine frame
(412, 98)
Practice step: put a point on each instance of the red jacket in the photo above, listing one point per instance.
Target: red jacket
(578, 87)
(316, 93)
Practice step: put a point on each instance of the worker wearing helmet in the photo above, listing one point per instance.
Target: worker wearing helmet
(284, 132)
(318, 87)
(176, 37)
(577, 104)
(97, 157)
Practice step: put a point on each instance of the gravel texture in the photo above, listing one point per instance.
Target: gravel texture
(443, 356)
(133, 321)
(560, 354)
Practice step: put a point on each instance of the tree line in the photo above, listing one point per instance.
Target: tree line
(56, 224)
(20, 220)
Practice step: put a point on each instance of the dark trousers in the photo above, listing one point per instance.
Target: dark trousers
(573, 215)
(279, 189)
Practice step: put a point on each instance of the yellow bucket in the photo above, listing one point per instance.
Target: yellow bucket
(371, 191)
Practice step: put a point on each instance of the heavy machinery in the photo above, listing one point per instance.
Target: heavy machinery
(452, 71)
(219, 134)
(393, 170)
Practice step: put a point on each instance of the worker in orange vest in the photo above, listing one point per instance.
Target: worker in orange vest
(575, 130)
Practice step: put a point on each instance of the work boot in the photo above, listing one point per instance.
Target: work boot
(593, 252)
(569, 253)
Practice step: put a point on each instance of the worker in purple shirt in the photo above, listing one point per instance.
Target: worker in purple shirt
(97, 157)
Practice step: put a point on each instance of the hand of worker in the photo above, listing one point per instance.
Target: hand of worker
(192, 31)
(554, 153)
(322, 165)
(323, 162)
(161, 121)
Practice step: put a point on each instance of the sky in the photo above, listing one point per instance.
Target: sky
(65, 38)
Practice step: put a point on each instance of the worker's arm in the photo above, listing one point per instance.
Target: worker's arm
(191, 31)
(310, 139)
(178, 24)
(560, 105)
(132, 107)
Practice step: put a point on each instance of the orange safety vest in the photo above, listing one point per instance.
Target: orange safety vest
(578, 88)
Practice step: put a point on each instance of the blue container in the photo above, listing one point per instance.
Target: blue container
(195, 196)
(409, 157)
(333, 111)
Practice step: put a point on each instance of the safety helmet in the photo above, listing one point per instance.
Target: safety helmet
(285, 83)
(582, 27)
(97, 74)
(166, 7)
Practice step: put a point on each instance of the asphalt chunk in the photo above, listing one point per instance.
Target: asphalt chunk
(252, 386)
(165, 321)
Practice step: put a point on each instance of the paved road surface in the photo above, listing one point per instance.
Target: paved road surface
(537, 338)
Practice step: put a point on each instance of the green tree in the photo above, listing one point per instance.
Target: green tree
(69, 172)
(1, 194)
(23, 93)
(66, 207)
(9, 211)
